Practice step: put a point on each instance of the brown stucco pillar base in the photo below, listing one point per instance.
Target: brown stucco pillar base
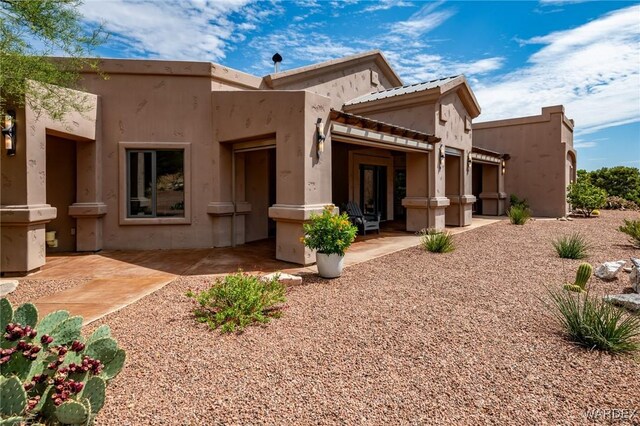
(224, 224)
(289, 220)
(493, 203)
(88, 225)
(460, 211)
(23, 237)
(424, 213)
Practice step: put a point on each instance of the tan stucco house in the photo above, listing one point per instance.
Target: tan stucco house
(193, 154)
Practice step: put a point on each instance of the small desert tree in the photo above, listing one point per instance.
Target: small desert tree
(30, 32)
(585, 197)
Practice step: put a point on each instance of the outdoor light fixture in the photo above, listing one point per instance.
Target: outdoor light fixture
(9, 132)
(504, 167)
(320, 136)
(442, 155)
(469, 161)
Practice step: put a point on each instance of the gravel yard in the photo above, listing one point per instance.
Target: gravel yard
(30, 289)
(410, 338)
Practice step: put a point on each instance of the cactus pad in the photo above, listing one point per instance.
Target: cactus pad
(67, 331)
(113, 367)
(99, 333)
(94, 391)
(51, 321)
(26, 314)
(103, 349)
(13, 397)
(6, 313)
(72, 413)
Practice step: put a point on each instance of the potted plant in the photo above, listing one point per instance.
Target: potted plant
(330, 234)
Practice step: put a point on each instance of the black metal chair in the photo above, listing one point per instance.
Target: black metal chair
(368, 222)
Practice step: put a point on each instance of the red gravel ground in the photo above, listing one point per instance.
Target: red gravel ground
(410, 338)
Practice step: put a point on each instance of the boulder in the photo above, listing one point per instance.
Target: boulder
(286, 279)
(634, 276)
(7, 286)
(630, 301)
(609, 270)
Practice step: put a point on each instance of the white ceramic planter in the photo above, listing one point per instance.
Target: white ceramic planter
(329, 265)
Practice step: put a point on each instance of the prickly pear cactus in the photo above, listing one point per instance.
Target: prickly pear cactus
(49, 374)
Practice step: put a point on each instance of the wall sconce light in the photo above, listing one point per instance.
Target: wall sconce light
(442, 155)
(504, 167)
(9, 132)
(320, 136)
(469, 162)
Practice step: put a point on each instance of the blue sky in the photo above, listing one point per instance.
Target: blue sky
(518, 56)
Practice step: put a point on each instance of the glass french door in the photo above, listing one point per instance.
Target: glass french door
(373, 190)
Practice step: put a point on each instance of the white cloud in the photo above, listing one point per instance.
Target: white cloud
(195, 30)
(423, 21)
(584, 144)
(386, 5)
(594, 70)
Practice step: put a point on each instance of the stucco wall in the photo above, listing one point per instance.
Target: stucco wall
(343, 84)
(61, 190)
(538, 146)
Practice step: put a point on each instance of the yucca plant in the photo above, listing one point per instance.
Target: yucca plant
(574, 246)
(632, 229)
(518, 214)
(595, 324)
(437, 241)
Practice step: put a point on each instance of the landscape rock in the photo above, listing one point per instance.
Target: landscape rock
(634, 276)
(609, 270)
(630, 301)
(283, 278)
(7, 286)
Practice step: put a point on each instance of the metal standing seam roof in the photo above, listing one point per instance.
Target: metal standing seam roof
(402, 90)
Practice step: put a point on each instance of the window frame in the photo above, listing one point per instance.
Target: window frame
(124, 149)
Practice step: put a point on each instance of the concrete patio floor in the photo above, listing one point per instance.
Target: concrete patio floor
(119, 278)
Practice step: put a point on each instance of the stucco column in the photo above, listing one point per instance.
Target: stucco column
(89, 209)
(23, 210)
(492, 201)
(303, 178)
(438, 202)
(417, 200)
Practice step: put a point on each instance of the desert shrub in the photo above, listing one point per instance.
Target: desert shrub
(632, 229)
(619, 203)
(238, 300)
(519, 202)
(329, 233)
(618, 181)
(572, 246)
(585, 197)
(518, 215)
(436, 241)
(591, 322)
(50, 374)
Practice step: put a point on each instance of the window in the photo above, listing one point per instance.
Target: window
(155, 183)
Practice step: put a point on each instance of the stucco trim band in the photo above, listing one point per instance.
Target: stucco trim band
(224, 208)
(294, 213)
(461, 199)
(493, 195)
(87, 210)
(21, 215)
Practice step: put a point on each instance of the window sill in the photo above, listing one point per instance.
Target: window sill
(155, 221)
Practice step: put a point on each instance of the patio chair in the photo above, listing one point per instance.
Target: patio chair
(368, 222)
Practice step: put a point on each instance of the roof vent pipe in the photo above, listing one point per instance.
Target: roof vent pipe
(276, 62)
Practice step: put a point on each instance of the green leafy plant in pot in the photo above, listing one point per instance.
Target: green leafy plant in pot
(330, 234)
